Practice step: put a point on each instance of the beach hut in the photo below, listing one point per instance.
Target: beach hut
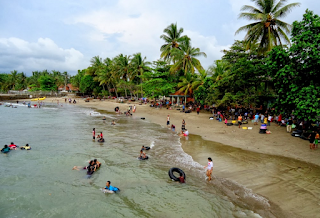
(177, 95)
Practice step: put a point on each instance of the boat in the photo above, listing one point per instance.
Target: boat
(38, 99)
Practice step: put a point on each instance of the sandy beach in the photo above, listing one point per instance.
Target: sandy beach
(283, 184)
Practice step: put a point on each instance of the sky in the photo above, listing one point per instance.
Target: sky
(64, 35)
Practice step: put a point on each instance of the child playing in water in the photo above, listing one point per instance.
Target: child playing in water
(209, 168)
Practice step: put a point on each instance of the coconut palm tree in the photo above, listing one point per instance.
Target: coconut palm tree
(13, 78)
(199, 80)
(267, 29)
(186, 84)
(185, 58)
(219, 69)
(122, 69)
(139, 66)
(173, 39)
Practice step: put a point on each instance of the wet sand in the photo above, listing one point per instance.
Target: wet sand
(277, 166)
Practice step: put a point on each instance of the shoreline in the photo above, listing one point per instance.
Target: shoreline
(215, 134)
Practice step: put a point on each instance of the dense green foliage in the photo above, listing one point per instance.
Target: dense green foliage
(296, 71)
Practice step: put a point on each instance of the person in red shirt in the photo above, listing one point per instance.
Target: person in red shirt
(198, 110)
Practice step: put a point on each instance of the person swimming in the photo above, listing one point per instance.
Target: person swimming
(12, 146)
(113, 123)
(111, 188)
(26, 147)
(5, 149)
(97, 163)
(181, 179)
(142, 154)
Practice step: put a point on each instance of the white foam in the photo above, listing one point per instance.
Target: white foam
(152, 144)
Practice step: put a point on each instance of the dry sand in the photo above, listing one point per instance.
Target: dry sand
(293, 185)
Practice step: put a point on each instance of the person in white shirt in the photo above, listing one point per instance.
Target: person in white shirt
(269, 119)
(209, 168)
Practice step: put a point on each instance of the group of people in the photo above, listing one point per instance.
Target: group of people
(99, 136)
(13, 146)
(184, 131)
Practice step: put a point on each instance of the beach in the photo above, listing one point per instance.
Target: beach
(277, 166)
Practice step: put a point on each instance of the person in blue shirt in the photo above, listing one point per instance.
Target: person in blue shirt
(5, 149)
(111, 188)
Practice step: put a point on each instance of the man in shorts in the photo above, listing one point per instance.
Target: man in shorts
(209, 168)
(94, 133)
(168, 120)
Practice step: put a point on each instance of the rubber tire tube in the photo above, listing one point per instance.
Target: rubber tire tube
(172, 176)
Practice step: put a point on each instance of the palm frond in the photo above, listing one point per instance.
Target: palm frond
(246, 27)
(282, 12)
(251, 9)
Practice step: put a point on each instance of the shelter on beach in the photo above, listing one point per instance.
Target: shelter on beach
(177, 95)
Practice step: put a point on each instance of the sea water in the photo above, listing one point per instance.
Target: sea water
(41, 182)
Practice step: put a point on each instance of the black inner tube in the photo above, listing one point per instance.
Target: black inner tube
(147, 148)
(173, 177)
(141, 158)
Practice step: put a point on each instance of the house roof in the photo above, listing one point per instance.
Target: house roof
(69, 87)
(178, 94)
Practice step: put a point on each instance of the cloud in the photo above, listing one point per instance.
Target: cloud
(21, 55)
(118, 30)
(208, 45)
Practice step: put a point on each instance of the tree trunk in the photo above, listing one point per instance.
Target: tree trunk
(115, 89)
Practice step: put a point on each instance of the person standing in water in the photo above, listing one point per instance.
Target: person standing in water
(168, 120)
(183, 126)
(94, 133)
(209, 168)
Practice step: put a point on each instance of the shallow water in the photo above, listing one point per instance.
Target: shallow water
(40, 182)
(292, 184)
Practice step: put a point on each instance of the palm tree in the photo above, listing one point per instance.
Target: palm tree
(186, 84)
(173, 39)
(96, 66)
(13, 78)
(219, 69)
(122, 69)
(199, 79)
(185, 58)
(267, 30)
(139, 66)
(66, 79)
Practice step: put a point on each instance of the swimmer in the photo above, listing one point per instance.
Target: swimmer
(142, 154)
(97, 163)
(111, 188)
(94, 133)
(12, 146)
(5, 149)
(26, 147)
(104, 118)
(113, 123)
(181, 179)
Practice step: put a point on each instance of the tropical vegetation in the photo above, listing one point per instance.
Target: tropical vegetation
(285, 78)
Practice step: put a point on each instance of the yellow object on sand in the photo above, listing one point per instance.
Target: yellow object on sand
(233, 121)
(244, 127)
(38, 99)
